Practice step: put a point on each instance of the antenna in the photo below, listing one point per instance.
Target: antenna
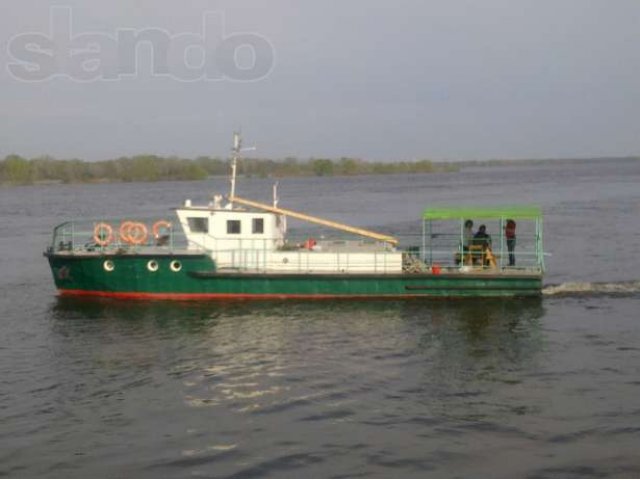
(275, 195)
(235, 156)
(235, 153)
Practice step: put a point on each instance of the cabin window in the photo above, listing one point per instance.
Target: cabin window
(233, 226)
(257, 226)
(198, 224)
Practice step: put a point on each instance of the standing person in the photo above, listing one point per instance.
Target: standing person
(510, 234)
(467, 235)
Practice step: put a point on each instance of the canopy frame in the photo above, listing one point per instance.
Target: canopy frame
(519, 213)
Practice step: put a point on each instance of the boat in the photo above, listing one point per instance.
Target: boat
(237, 248)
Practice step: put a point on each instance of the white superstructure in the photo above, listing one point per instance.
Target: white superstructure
(254, 239)
(246, 240)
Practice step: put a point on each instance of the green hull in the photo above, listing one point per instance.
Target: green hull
(197, 278)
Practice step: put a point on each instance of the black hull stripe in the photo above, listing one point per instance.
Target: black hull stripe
(469, 287)
(346, 276)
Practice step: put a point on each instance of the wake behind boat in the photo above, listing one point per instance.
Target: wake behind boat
(233, 247)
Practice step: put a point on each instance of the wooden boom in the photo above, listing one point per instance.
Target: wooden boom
(319, 221)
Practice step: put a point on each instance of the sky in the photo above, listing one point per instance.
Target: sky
(387, 80)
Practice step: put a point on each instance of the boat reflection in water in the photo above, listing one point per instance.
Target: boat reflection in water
(270, 340)
(237, 381)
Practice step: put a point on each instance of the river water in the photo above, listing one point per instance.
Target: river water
(545, 387)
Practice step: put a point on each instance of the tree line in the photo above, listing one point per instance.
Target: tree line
(16, 170)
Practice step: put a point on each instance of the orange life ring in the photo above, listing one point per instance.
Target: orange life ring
(160, 224)
(99, 234)
(138, 233)
(124, 231)
(134, 233)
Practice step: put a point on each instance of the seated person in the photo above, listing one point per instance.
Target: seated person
(482, 238)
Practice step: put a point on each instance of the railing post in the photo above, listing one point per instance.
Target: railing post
(461, 244)
(430, 243)
(502, 235)
(423, 254)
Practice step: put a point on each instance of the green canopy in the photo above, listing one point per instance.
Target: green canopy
(514, 211)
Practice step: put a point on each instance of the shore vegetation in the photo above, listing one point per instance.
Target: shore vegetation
(17, 170)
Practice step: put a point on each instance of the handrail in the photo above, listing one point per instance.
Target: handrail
(302, 260)
(79, 235)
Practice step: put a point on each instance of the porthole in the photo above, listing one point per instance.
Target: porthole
(152, 266)
(176, 266)
(108, 265)
(285, 260)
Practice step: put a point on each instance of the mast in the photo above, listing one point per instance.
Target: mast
(235, 154)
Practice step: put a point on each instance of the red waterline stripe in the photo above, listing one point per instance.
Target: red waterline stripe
(219, 296)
